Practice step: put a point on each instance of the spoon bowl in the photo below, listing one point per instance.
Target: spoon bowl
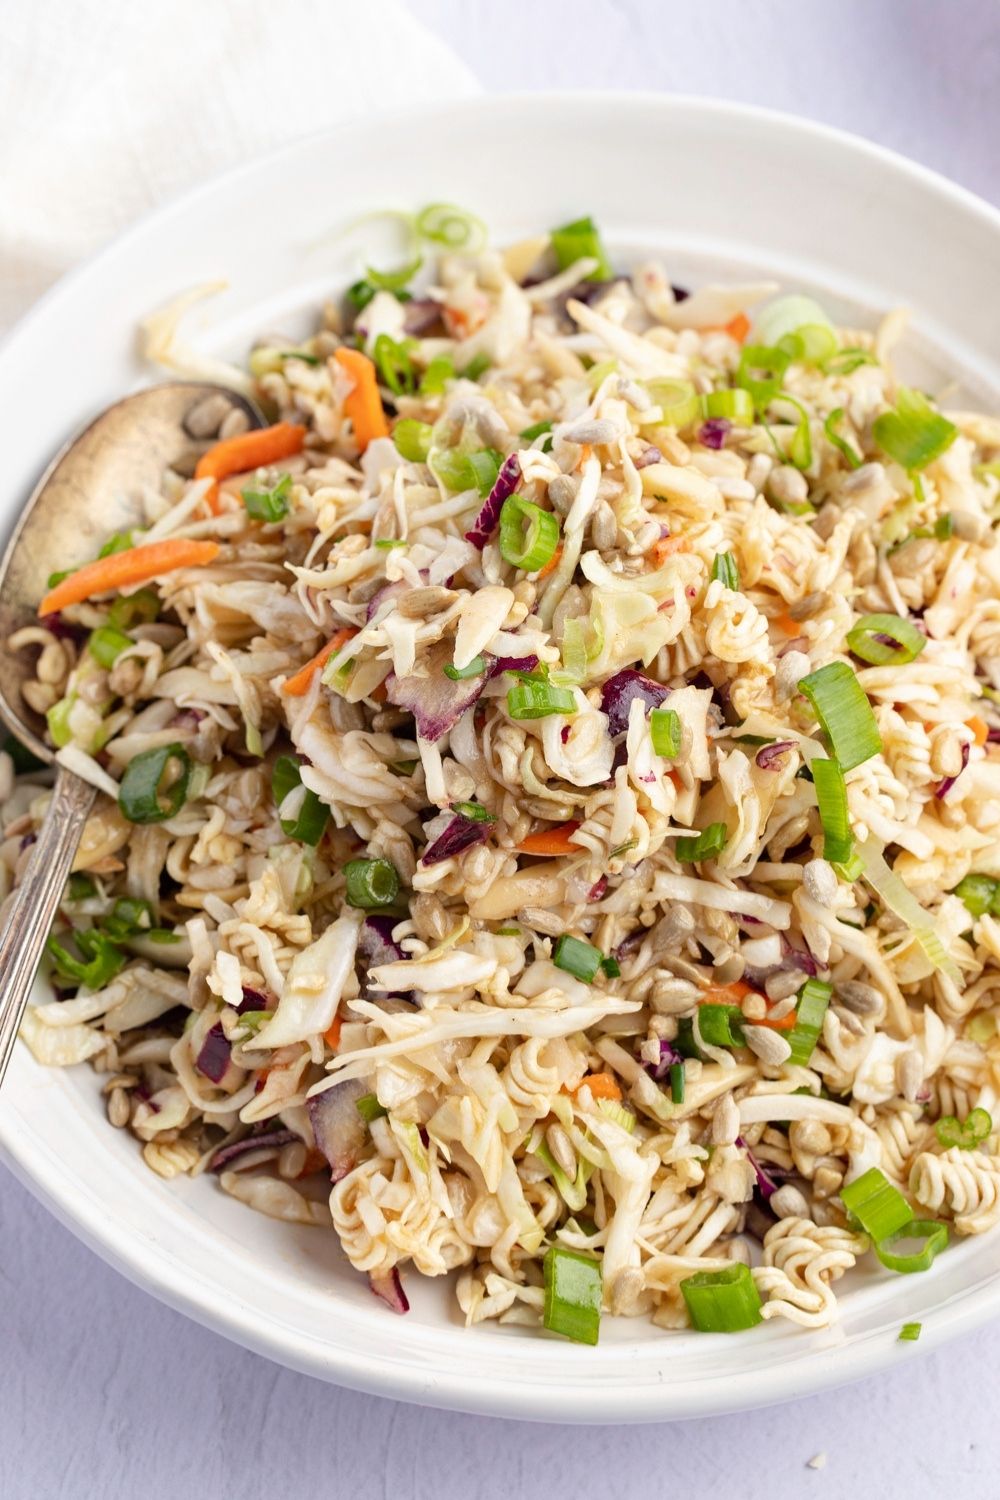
(95, 486)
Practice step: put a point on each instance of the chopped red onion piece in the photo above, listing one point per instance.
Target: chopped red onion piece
(460, 834)
(390, 1289)
(619, 691)
(488, 518)
(771, 757)
(944, 787)
(714, 432)
(340, 1132)
(214, 1057)
(598, 890)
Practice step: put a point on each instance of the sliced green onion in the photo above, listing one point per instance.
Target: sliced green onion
(475, 668)
(831, 794)
(129, 917)
(436, 376)
(910, 1332)
(101, 959)
(155, 784)
(799, 451)
(725, 1301)
(581, 240)
(665, 732)
(900, 900)
(371, 883)
(721, 1025)
(573, 1290)
(537, 700)
(252, 1021)
(476, 367)
(979, 892)
(677, 1082)
(80, 888)
(844, 713)
(598, 374)
(833, 421)
(359, 294)
(576, 957)
(536, 431)
(611, 968)
(679, 402)
(529, 535)
(106, 644)
(977, 1126)
(467, 471)
(810, 1009)
(879, 1208)
(735, 404)
(847, 360)
(120, 541)
(139, 608)
(935, 1239)
(913, 434)
(485, 468)
(369, 1108)
(574, 654)
(799, 325)
(724, 570)
(849, 870)
(54, 579)
(413, 439)
(269, 505)
(886, 640)
(474, 811)
(390, 543)
(453, 227)
(309, 823)
(706, 845)
(761, 372)
(394, 365)
(394, 281)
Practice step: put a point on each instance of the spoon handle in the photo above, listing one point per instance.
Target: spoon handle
(36, 901)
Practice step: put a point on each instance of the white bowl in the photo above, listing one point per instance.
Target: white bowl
(715, 189)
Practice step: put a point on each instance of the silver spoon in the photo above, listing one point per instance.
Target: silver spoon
(91, 489)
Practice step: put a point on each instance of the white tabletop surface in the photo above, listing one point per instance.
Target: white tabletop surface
(104, 1393)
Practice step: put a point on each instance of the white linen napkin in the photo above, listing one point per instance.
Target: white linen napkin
(108, 107)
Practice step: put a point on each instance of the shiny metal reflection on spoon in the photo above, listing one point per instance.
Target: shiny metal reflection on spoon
(93, 487)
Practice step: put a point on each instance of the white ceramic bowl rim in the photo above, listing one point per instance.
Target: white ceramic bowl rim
(504, 1373)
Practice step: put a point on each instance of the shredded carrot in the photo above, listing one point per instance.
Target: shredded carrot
(980, 729)
(677, 779)
(251, 450)
(379, 693)
(585, 451)
(556, 840)
(601, 1085)
(363, 404)
(725, 994)
(666, 547)
(315, 1162)
(787, 624)
(738, 327)
(552, 563)
(122, 569)
(297, 685)
(783, 1023)
(331, 1035)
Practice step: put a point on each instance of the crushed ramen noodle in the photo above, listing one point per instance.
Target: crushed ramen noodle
(549, 799)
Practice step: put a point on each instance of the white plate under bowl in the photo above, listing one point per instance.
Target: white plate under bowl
(714, 189)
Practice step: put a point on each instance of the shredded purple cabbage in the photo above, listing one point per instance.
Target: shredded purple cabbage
(460, 834)
(267, 1138)
(649, 456)
(993, 736)
(436, 702)
(422, 316)
(339, 1131)
(598, 890)
(387, 591)
(668, 1056)
(765, 1183)
(213, 1058)
(498, 664)
(254, 1000)
(488, 518)
(714, 432)
(770, 757)
(944, 787)
(619, 691)
(389, 1288)
(62, 629)
(375, 943)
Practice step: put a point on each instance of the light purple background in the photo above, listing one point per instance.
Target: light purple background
(104, 1393)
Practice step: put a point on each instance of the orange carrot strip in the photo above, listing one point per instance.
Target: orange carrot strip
(138, 565)
(738, 327)
(552, 563)
(297, 685)
(556, 840)
(315, 1162)
(251, 450)
(725, 994)
(979, 727)
(784, 1023)
(331, 1035)
(785, 622)
(666, 547)
(601, 1085)
(363, 404)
